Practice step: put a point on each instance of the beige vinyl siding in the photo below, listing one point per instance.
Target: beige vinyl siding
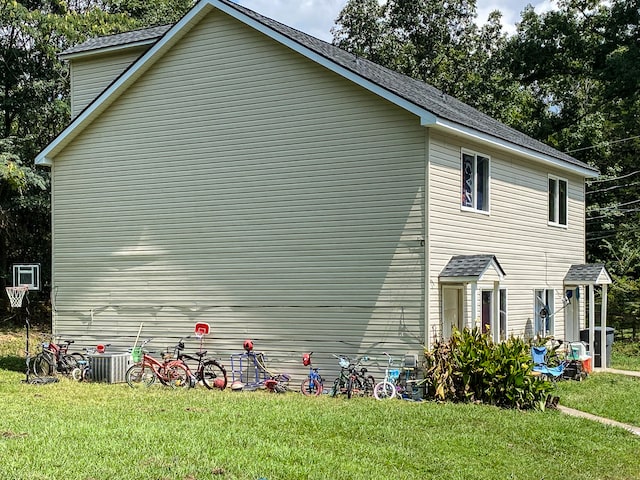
(240, 184)
(90, 75)
(533, 254)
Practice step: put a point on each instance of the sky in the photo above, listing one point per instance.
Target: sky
(316, 17)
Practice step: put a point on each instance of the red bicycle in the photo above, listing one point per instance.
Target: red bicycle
(147, 370)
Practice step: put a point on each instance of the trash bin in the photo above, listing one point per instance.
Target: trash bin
(584, 337)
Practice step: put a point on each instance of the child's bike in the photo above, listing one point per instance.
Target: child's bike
(147, 369)
(313, 384)
(386, 389)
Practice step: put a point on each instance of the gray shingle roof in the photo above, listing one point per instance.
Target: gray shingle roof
(469, 266)
(587, 273)
(144, 35)
(419, 93)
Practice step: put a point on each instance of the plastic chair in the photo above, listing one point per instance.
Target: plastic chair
(539, 355)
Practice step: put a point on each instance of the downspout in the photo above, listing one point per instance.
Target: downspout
(426, 241)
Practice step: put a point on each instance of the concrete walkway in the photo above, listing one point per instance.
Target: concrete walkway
(577, 413)
(620, 372)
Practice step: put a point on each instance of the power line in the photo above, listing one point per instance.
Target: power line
(630, 210)
(614, 187)
(613, 207)
(612, 179)
(612, 142)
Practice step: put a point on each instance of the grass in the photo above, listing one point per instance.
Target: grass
(606, 395)
(625, 355)
(95, 431)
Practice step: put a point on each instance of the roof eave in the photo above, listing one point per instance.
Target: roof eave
(106, 50)
(502, 144)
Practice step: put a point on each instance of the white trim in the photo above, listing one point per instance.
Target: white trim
(558, 200)
(506, 313)
(109, 49)
(490, 140)
(475, 155)
(550, 315)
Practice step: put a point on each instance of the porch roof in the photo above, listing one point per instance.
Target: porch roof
(587, 274)
(470, 268)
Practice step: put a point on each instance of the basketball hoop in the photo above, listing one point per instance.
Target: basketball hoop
(201, 329)
(16, 294)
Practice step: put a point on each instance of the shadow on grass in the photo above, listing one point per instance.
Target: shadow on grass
(13, 363)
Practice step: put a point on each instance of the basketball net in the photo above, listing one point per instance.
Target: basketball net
(16, 294)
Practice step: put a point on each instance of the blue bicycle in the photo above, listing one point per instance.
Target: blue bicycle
(313, 384)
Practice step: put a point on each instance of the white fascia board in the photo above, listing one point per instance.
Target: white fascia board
(426, 117)
(497, 269)
(512, 147)
(121, 84)
(465, 279)
(111, 49)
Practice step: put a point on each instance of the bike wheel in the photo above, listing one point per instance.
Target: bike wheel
(310, 387)
(384, 391)
(368, 385)
(42, 365)
(69, 362)
(335, 389)
(351, 386)
(214, 375)
(138, 376)
(77, 374)
(177, 376)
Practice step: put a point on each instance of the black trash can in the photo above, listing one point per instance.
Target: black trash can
(584, 337)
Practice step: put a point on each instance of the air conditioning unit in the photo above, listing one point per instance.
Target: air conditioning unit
(109, 367)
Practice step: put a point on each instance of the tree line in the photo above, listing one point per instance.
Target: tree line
(569, 77)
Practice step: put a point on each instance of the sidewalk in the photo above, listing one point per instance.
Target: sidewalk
(620, 372)
(577, 413)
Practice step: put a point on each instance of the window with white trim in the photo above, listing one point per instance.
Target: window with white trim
(558, 201)
(487, 320)
(475, 181)
(543, 312)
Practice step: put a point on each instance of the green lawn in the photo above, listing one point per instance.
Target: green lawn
(625, 355)
(100, 431)
(96, 431)
(606, 395)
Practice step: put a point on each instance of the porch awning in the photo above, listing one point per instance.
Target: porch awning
(470, 268)
(587, 274)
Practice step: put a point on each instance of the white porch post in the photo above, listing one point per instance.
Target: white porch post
(474, 305)
(603, 327)
(592, 327)
(495, 316)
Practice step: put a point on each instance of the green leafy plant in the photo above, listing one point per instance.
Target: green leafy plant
(470, 367)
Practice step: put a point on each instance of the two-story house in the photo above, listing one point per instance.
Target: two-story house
(232, 170)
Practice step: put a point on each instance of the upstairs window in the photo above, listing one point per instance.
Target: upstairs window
(475, 181)
(558, 195)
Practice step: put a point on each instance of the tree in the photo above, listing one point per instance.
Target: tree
(579, 65)
(436, 42)
(34, 104)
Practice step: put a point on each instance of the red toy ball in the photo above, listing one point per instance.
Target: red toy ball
(248, 345)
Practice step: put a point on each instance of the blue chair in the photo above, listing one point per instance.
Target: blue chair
(539, 355)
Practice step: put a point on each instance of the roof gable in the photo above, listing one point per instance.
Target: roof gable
(587, 274)
(470, 268)
(434, 108)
